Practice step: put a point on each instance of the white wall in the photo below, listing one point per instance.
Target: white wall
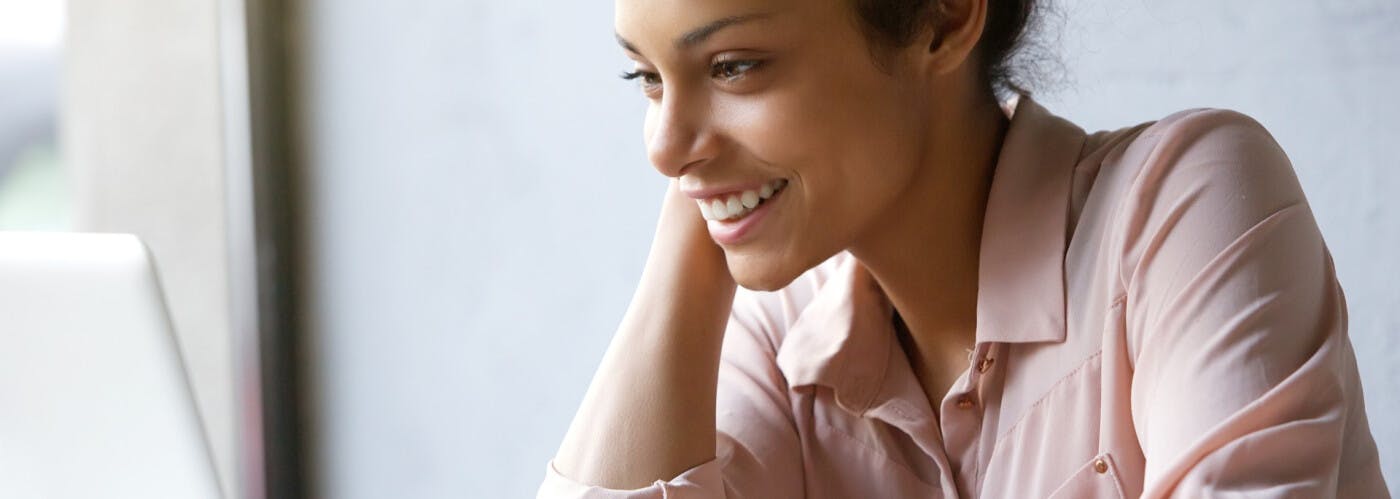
(480, 207)
(480, 204)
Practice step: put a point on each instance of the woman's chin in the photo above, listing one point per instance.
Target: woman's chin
(758, 273)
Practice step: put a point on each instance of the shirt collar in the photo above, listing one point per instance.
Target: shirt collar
(1021, 271)
(844, 338)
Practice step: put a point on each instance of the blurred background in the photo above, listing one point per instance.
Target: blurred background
(359, 208)
(33, 186)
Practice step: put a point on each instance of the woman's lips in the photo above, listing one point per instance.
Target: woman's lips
(737, 205)
(734, 229)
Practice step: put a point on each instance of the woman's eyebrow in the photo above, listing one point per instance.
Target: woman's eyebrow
(696, 36)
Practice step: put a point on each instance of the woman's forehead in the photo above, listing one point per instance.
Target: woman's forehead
(675, 24)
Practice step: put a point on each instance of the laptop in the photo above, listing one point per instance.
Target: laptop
(94, 401)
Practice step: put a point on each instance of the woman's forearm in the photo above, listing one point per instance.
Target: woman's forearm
(649, 413)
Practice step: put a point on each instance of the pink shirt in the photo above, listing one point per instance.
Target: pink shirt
(1157, 316)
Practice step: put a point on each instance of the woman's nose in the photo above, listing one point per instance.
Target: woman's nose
(678, 134)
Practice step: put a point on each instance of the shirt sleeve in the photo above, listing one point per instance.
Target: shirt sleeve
(1245, 382)
(757, 450)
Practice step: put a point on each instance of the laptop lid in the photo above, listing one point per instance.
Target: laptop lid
(93, 396)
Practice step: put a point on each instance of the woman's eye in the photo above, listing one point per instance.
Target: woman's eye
(729, 70)
(650, 81)
(648, 78)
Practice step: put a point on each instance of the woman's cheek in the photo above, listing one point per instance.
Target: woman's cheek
(759, 128)
(777, 117)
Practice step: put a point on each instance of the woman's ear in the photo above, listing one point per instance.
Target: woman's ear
(953, 30)
(934, 25)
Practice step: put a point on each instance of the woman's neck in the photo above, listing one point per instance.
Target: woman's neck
(924, 253)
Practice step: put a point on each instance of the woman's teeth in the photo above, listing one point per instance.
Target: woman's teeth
(737, 205)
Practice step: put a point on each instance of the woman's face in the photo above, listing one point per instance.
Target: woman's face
(748, 95)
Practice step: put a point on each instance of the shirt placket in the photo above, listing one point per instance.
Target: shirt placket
(961, 417)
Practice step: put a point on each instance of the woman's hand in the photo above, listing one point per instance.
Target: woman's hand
(650, 412)
(682, 247)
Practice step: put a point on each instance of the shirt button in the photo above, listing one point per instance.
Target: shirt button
(985, 364)
(965, 402)
(1100, 466)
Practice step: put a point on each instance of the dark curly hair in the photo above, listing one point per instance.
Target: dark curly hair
(894, 24)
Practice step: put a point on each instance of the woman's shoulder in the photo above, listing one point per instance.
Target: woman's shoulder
(1193, 184)
(1191, 134)
(1202, 150)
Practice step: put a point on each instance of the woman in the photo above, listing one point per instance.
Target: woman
(944, 297)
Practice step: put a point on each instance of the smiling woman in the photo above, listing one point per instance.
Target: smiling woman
(871, 278)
